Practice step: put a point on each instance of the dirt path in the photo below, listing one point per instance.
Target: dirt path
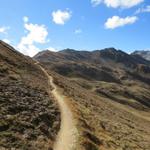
(67, 136)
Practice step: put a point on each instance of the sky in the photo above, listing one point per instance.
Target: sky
(34, 25)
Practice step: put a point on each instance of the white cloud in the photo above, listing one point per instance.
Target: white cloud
(25, 19)
(122, 3)
(142, 10)
(116, 21)
(36, 34)
(96, 2)
(52, 49)
(7, 41)
(4, 29)
(117, 3)
(60, 17)
(78, 31)
(28, 49)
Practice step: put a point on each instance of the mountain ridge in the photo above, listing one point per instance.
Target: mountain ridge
(109, 53)
(99, 62)
(143, 53)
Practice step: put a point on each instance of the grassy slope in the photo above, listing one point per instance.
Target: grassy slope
(29, 118)
(112, 111)
(105, 123)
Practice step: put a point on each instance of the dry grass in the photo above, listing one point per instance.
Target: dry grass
(29, 116)
(105, 123)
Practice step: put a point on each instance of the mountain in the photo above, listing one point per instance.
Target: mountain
(108, 91)
(97, 56)
(61, 100)
(144, 54)
(103, 65)
(29, 117)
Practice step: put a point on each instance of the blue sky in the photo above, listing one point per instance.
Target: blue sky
(34, 25)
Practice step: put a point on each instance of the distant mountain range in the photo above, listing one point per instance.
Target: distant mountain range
(97, 55)
(103, 64)
(144, 54)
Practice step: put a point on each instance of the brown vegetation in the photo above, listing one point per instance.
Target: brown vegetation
(111, 114)
(29, 117)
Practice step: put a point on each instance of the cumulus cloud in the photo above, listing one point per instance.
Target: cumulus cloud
(117, 3)
(29, 49)
(143, 10)
(36, 34)
(78, 31)
(60, 17)
(4, 29)
(117, 21)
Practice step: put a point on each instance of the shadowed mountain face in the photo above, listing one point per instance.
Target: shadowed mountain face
(109, 92)
(109, 65)
(144, 54)
(97, 56)
(29, 118)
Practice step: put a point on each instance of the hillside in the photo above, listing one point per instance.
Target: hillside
(144, 54)
(108, 91)
(29, 116)
(103, 65)
(104, 94)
